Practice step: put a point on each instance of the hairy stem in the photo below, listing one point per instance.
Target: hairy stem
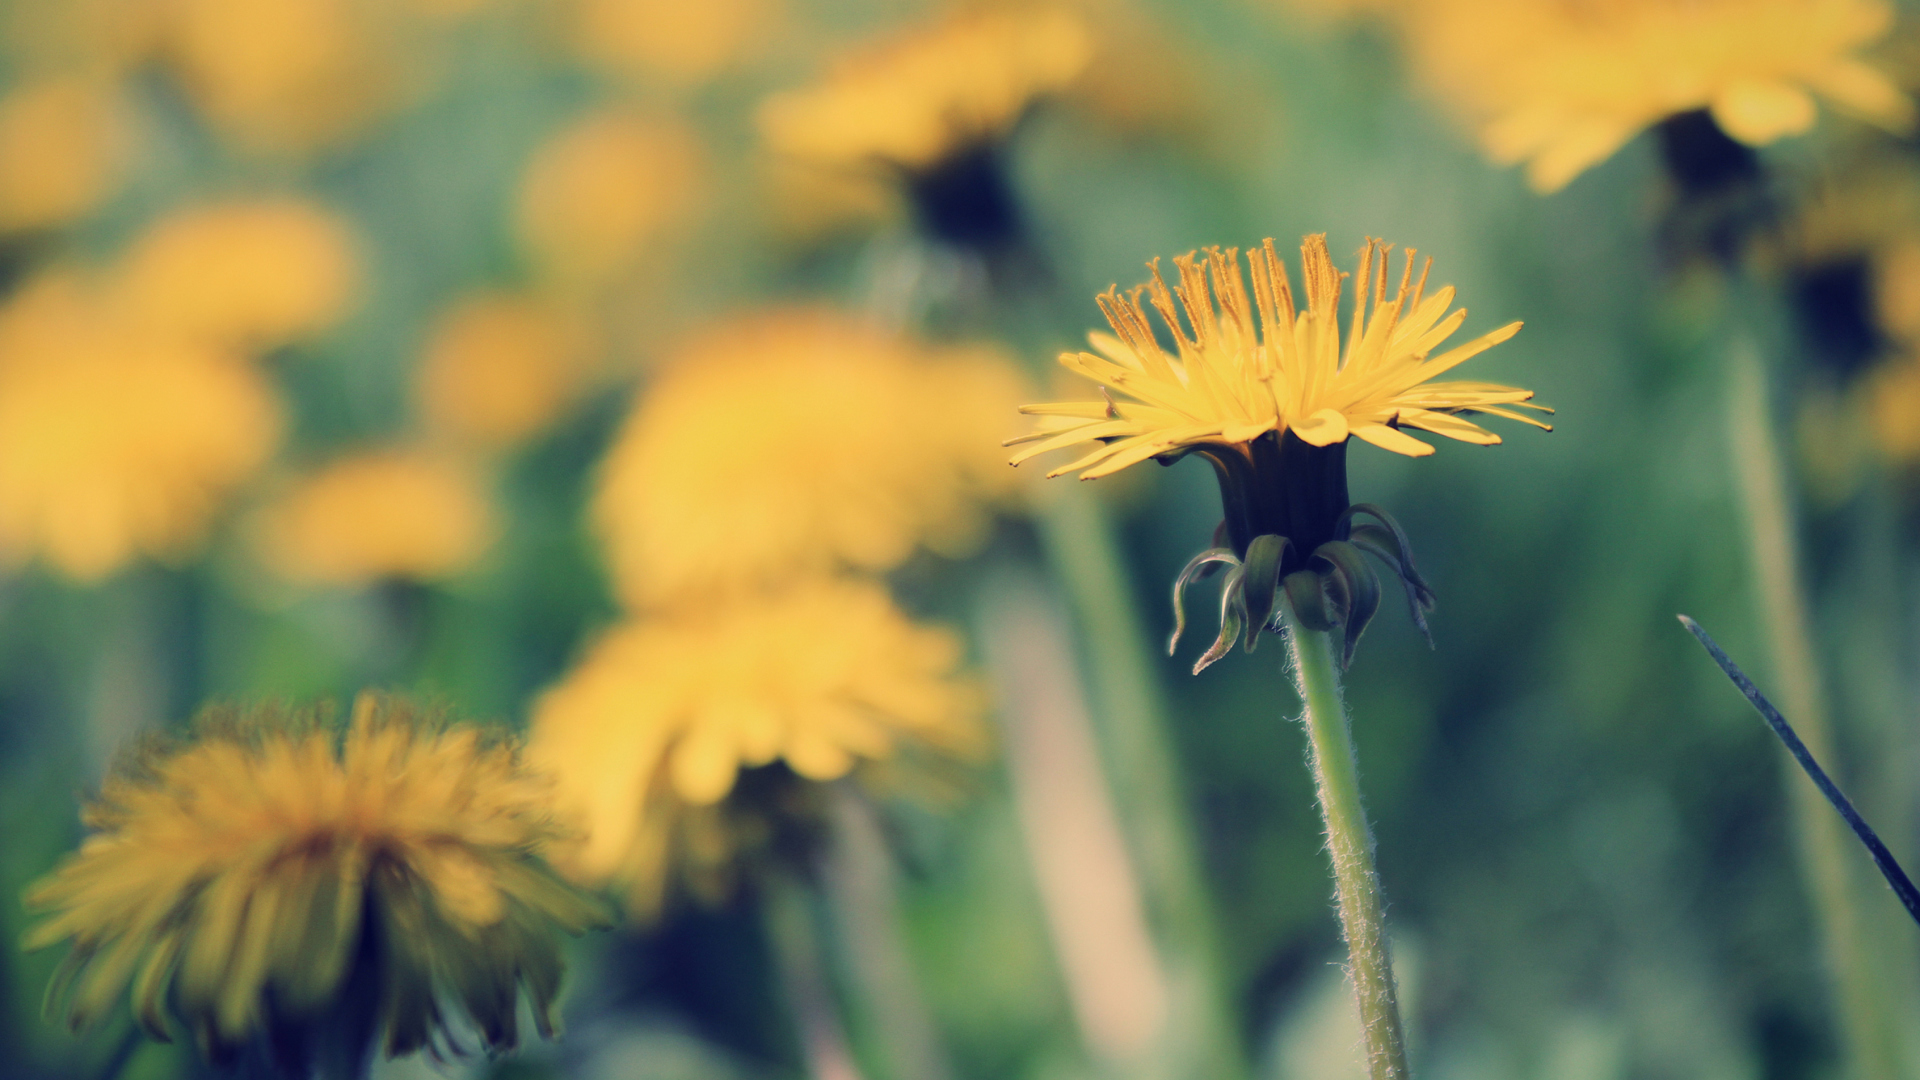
(1336, 782)
(793, 932)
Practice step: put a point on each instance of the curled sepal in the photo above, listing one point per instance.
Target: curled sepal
(1307, 594)
(1259, 578)
(1388, 543)
(1198, 567)
(1355, 588)
(1233, 614)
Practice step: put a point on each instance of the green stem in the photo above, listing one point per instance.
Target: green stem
(1336, 781)
(1871, 1039)
(793, 932)
(1130, 712)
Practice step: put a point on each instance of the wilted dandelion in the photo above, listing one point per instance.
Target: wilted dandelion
(396, 513)
(256, 274)
(114, 441)
(276, 880)
(64, 142)
(1271, 407)
(604, 188)
(799, 440)
(1562, 84)
(665, 713)
(499, 368)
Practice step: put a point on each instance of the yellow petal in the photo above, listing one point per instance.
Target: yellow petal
(1856, 88)
(1387, 438)
(1324, 428)
(1759, 111)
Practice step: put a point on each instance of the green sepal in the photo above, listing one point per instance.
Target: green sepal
(1197, 567)
(1233, 613)
(1361, 588)
(1259, 578)
(1307, 594)
(1388, 543)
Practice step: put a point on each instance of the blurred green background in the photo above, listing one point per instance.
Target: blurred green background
(1582, 833)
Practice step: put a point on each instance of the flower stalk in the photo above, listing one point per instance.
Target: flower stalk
(1336, 781)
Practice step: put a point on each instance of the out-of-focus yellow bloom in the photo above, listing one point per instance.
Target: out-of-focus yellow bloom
(675, 41)
(913, 99)
(1231, 384)
(244, 879)
(498, 369)
(63, 143)
(1897, 288)
(1893, 400)
(600, 191)
(1562, 84)
(663, 711)
(800, 440)
(286, 76)
(114, 441)
(255, 274)
(95, 36)
(378, 514)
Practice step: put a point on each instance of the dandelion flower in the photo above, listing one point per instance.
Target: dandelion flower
(1562, 84)
(375, 515)
(679, 42)
(914, 99)
(115, 442)
(63, 141)
(799, 440)
(602, 189)
(820, 677)
(498, 369)
(256, 274)
(1271, 408)
(274, 875)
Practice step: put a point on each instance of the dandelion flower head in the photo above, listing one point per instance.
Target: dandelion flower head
(114, 441)
(391, 513)
(64, 142)
(499, 368)
(1232, 382)
(596, 194)
(913, 99)
(241, 880)
(800, 440)
(821, 676)
(1562, 84)
(258, 274)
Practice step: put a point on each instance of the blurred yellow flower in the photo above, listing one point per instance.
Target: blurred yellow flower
(1893, 402)
(257, 274)
(1562, 84)
(244, 879)
(378, 514)
(286, 76)
(913, 99)
(63, 141)
(498, 369)
(115, 442)
(1231, 384)
(678, 42)
(604, 188)
(800, 440)
(821, 676)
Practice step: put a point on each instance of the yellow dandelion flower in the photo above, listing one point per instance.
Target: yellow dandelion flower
(678, 42)
(257, 274)
(64, 143)
(821, 677)
(1562, 84)
(498, 369)
(378, 514)
(913, 99)
(1271, 408)
(115, 442)
(289, 76)
(799, 440)
(1893, 405)
(603, 189)
(274, 873)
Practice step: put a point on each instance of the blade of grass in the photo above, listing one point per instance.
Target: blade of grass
(1889, 867)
